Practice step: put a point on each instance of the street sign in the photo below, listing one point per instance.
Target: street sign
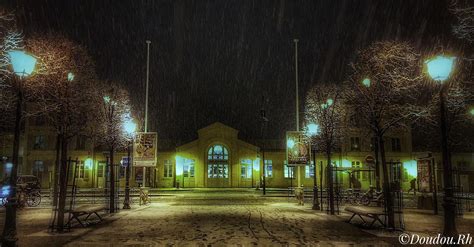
(297, 148)
(144, 149)
(125, 161)
(369, 159)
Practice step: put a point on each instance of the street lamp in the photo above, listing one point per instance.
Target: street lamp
(439, 69)
(129, 127)
(23, 66)
(366, 82)
(312, 132)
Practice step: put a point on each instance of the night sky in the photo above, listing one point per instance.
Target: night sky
(217, 60)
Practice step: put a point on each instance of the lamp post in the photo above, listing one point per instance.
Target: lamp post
(23, 66)
(439, 69)
(313, 130)
(129, 127)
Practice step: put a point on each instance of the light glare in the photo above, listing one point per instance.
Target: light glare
(440, 67)
(22, 63)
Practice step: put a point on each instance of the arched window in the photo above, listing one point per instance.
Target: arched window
(217, 158)
(218, 152)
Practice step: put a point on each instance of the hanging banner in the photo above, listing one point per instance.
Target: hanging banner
(424, 175)
(144, 149)
(297, 148)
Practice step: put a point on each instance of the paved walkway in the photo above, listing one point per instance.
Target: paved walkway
(221, 219)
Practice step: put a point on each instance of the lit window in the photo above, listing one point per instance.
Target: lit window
(38, 169)
(39, 142)
(268, 168)
(246, 169)
(82, 170)
(288, 171)
(188, 168)
(217, 158)
(309, 170)
(356, 168)
(168, 169)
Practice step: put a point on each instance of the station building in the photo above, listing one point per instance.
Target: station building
(219, 159)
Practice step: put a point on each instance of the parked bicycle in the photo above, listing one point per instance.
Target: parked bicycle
(371, 196)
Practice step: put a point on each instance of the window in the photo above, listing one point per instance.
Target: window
(356, 168)
(188, 168)
(309, 170)
(268, 168)
(80, 142)
(354, 120)
(288, 171)
(218, 152)
(462, 166)
(373, 143)
(168, 169)
(355, 144)
(396, 147)
(217, 158)
(39, 142)
(246, 169)
(217, 171)
(395, 173)
(38, 169)
(100, 169)
(40, 120)
(82, 170)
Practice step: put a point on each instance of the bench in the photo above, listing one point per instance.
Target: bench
(373, 213)
(87, 210)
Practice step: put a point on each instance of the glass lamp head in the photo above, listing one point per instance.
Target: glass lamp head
(22, 63)
(440, 67)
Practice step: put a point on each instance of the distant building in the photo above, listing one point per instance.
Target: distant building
(218, 158)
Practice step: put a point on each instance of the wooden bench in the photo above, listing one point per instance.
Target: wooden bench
(373, 213)
(87, 210)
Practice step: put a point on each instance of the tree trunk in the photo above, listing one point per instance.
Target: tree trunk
(386, 186)
(63, 179)
(377, 164)
(57, 166)
(330, 183)
(112, 181)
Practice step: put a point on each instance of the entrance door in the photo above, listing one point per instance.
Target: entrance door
(218, 166)
(188, 173)
(101, 174)
(246, 173)
(464, 182)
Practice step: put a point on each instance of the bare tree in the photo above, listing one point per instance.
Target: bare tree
(11, 101)
(10, 39)
(114, 110)
(463, 10)
(64, 85)
(325, 107)
(382, 91)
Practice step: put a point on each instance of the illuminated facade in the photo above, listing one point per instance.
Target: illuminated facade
(218, 158)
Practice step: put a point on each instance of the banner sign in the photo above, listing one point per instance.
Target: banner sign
(144, 149)
(297, 148)
(424, 175)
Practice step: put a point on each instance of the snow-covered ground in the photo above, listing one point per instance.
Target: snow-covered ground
(222, 219)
